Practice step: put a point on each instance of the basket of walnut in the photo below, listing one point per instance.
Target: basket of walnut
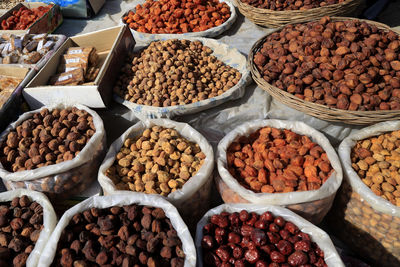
(278, 13)
(277, 162)
(56, 150)
(335, 69)
(366, 212)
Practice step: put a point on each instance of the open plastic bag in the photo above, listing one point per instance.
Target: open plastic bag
(49, 220)
(368, 222)
(65, 177)
(122, 199)
(332, 258)
(312, 205)
(228, 55)
(213, 32)
(192, 198)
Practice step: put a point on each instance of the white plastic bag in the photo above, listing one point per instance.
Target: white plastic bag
(318, 236)
(312, 204)
(122, 199)
(228, 55)
(63, 176)
(49, 220)
(371, 223)
(192, 198)
(213, 32)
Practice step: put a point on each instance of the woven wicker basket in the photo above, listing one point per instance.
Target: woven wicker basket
(317, 110)
(272, 19)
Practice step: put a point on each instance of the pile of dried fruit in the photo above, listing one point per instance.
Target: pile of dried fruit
(273, 160)
(377, 161)
(290, 4)
(24, 17)
(120, 236)
(159, 161)
(177, 16)
(348, 65)
(9, 3)
(21, 222)
(47, 138)
(249, 239)
(175, 72)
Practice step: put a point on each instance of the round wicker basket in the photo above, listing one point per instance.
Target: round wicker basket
(272, 19)
(317, 110)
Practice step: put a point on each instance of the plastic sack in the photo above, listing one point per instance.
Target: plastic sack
(228, 55)
(62, 3)
(63, 178)
(312, 205)
(192, 199)
(49, 220)
(122, 199)
(368, 222)
(213, 32)
(331, 256)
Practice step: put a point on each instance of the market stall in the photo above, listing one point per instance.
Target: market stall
(192, 104)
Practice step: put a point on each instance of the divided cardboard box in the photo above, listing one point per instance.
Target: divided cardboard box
(46, 24)
(112, 45)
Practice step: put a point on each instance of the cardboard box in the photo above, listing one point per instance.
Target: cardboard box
(48, 23)
(83, 9)
(11, 109)
(112, 46)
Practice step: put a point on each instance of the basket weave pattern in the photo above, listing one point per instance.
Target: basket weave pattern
(317, 110)
(271, 18)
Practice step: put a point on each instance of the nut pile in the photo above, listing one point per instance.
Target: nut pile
(349, 65)
(273, 161)
(21, 222)
(249, 239)
(177, 16)
(120, 236)
(290, 4)
(47, 138)
(377, 162)
(175, 72)
(159, 161)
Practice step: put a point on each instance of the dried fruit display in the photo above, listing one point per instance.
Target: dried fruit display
(377, 161)
(248, 239)
(21, 222)
(47, 138)
(349, 65)
(159, 161)
(273, 160)
(290, 4)
(7, 86)
(175, 72)
(24, 17)
(120, 236)
(177, 16)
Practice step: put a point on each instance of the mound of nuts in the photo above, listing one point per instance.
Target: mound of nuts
(290, 4)
(377, 162)
(120, 236)
(159, 161)
(249, 239)
(175, 72)
(47, 138)
(21, 222)
(273, 160)
(177, 16)
(349, 65)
